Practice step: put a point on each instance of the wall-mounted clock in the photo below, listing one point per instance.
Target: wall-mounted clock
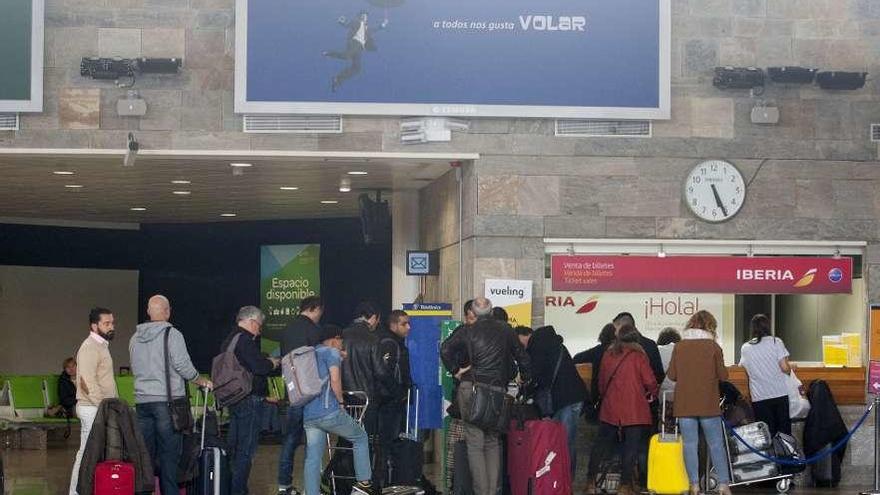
(715, 190)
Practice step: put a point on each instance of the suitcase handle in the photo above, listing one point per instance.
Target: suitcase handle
(414, 433)
(204, 417)
(663, 402)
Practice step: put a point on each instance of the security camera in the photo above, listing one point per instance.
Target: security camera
(131, 153)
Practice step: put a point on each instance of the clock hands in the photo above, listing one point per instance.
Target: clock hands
(718, 200)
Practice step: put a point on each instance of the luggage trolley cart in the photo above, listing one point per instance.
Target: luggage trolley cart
(356, 410)
(710, 481)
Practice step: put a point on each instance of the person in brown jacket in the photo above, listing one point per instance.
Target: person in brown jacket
(697, 366)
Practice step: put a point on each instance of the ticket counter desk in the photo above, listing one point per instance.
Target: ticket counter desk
(847, 384)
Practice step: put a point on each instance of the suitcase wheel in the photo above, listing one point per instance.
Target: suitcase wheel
(783, 485)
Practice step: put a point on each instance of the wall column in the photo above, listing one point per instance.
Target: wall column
(404, 236)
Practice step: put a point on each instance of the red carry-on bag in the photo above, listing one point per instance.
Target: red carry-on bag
(114, 478)
(537, 458)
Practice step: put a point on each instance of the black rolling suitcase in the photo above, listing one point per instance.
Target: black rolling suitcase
(214, 475)
(407, 456)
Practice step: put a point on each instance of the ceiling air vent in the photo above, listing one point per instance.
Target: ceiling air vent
(8, 121)
(603, 128)
(301, 124)
(875, 133)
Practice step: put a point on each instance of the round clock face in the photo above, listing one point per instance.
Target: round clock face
(715, 190)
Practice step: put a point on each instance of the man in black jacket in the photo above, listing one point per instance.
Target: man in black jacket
(362, 368)
(567, 390)
(491, 348)
(396, 382)
(245, 421)
(302, 331)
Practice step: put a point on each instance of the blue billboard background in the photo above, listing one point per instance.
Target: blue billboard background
(485, 52)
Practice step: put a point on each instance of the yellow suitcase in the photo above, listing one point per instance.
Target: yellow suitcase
(666, 471)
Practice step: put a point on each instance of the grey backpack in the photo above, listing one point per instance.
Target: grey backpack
(232, 382)
(300, 371)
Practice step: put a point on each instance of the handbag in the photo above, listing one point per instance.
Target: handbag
(544, 396)
(489, 405)
(179, 408)
(598, 402)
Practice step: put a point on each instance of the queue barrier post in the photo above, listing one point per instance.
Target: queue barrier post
(876, 489)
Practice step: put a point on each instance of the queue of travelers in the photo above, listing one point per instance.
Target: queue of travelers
(630, 373)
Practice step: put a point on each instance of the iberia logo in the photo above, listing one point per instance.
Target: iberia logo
(589, 306)
(807, 279)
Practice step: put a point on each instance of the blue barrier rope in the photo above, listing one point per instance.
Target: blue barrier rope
(815, 458)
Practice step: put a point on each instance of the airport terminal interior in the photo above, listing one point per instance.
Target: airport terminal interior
(570, 161)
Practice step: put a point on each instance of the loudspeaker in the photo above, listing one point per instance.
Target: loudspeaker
(792, 75)
(375, 219)
(841, 80)
(738, 77)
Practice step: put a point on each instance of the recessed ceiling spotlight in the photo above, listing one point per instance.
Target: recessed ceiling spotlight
(181, 182)
(181, 193)
(289, 188)
(241, 165)
(345, 185)
(73, 186)
(329, 202)
(227, 214)
(357, 172)
(63, 172)
(138, 208)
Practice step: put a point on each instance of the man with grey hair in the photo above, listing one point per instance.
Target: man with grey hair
(246, 415)
(154, 344)
(492, 349)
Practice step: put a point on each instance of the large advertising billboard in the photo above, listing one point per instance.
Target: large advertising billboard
(21, 50)
(489, 58)
(289, 273)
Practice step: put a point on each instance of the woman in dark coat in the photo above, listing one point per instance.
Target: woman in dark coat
(545, 348)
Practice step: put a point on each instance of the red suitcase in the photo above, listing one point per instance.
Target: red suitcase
(537, 458)
(114, 478)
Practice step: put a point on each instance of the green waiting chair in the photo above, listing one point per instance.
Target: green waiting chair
(125, 388)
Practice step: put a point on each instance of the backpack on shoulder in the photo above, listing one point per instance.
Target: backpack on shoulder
(299, 368)
(232, 382)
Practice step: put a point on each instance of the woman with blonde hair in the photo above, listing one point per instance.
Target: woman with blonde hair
(697, 366)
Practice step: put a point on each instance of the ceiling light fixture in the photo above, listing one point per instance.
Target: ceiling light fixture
(138, 208)
(181, 182)
(181, 193)
(241, 165)
(73, 186)
(357, 172)
(289, 188)
(345, 185)
(63, 172)
(227, 214)
(329, 202)
(662, 252)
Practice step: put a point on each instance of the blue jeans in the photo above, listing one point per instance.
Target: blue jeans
(340, 424)
(292, 439)
(568, 416)
(243, 438)
(715, 438)
(163, 443)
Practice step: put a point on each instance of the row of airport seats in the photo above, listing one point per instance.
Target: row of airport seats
(26, 398)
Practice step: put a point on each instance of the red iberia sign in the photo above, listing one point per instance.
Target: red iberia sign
(706, 274)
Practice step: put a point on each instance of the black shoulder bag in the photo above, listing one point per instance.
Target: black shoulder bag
(544, 395)
(489, 405)
(179, 408)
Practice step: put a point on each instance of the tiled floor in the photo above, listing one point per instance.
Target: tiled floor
(31, 472)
